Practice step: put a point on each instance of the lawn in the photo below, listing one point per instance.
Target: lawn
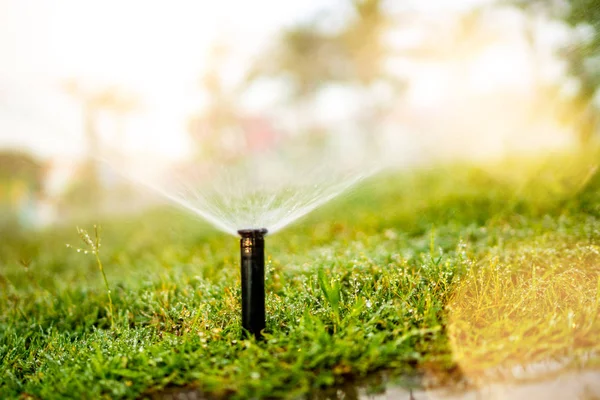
(453, 270)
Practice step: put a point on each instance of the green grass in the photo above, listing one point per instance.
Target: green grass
(453, 268)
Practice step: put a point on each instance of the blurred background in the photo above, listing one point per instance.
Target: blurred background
(164, 87)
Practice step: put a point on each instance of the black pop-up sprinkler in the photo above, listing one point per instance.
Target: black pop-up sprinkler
(252, 251)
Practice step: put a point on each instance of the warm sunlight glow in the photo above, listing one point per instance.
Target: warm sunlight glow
(158, 51)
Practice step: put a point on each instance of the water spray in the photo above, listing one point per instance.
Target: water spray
(252, 251)
(268, 192)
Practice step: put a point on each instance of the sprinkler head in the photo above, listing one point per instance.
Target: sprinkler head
(252, 252)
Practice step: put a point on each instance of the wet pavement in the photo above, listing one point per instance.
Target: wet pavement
(580, 385)
(573, 385)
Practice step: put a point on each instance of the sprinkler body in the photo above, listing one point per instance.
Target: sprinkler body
(252, 251)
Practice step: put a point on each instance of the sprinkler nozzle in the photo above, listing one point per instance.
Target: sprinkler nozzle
(252, 251)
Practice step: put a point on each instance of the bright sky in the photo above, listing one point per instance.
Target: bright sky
(158, 50)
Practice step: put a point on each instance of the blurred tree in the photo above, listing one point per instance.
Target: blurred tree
(21, 185)
(303, 55)
(111, 99)
(584, 59)
(214, 129)
(120, 104)
(365, 53)
(363, 44)
(307, 59)
(311, 56)
(465, 37)
(88, 190)
(583, 55)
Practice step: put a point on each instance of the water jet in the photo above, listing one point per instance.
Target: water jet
(252, 254)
